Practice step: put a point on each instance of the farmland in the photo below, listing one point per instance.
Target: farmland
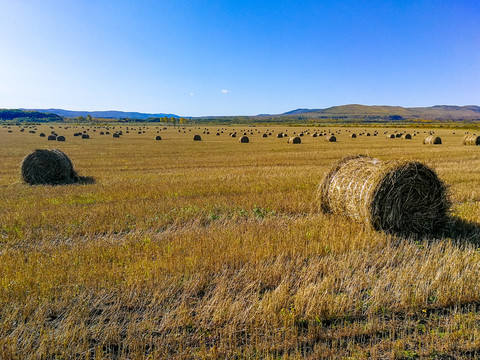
(217, 249)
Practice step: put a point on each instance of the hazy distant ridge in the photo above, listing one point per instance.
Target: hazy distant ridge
(437, 112)
(110, 114)
(352, 111)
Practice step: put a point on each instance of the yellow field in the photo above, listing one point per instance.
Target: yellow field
(217, 249)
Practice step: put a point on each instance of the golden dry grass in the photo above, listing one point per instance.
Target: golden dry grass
(217, 249)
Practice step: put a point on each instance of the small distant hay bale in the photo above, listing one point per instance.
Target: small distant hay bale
(280, 135)
(315, 135)
(432, 140)
(390, 136)
(399, 135)
(264, 135)
(197, 138)
(116, 135)
(407, 136)
(158, 137)
(399, 197)
(244, 140)
(61, 138)
(85, 136)
(353, 136)
(233, 135)
(330, 138)
(52, 137)
(42, 135)
(294, 140)
(471, 140)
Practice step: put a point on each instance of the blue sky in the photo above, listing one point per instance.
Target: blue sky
(195, 57)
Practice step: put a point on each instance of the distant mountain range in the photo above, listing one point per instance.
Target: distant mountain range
(437, 112)
(352, 111)
(110, 114)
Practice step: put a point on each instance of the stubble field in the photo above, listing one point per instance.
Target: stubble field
(217, 249)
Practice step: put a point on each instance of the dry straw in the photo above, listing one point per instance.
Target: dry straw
(471, 140)
(432, 140)
(50, 167)
(399, 197)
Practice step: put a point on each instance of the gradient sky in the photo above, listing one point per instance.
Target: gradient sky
(234, 57)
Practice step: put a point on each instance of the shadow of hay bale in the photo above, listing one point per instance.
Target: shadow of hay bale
(398, 197)
(51, 167)
(459, 230)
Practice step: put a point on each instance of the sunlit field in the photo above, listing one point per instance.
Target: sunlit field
(217, 249)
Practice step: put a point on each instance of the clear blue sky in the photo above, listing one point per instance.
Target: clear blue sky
(234, 57)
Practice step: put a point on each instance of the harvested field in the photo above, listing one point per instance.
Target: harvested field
(217, 250)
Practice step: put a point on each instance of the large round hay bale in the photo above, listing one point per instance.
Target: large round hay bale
(433, 140)
(264, 135)
(294, 140)
(390, 136)
(60, 138)
(48, 167)
(353, 136)
(330, 138)
(280, 135)
(471, 140)
(407, 136)
(52, 137)
(400, 197)
(244, 139)
(158, 137)
(85, 136)
(197, 138)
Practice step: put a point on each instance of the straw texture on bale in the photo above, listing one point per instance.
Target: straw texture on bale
(433, 140)
(294, 140)
(471, 140)
(50, 167)
(398, 197)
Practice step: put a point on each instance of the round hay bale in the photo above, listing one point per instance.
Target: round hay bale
(52, 138)
(390, 136)
(330, 138)
(353, 136)
(48, 167)
(116, 135)
(432, 140)
(61, 138)
(197, 138)
(158, 137)
(407, 136)
(399, 197)
(42, 135)
(85, 136)
(264, 135)
(280, 135)
(294, 140)
(244, 140)
(471, 140)
(314, 135)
